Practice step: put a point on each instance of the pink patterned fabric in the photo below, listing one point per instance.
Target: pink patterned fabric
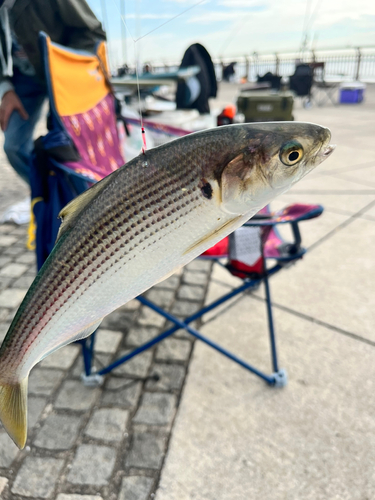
(271, 247)
(271, 238)
(95, 135)
(293, 212)
(288, 214)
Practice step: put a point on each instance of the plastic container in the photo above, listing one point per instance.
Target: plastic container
(261, 107)
(352, 92)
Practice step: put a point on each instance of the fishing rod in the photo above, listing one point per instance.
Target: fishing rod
(136, 53)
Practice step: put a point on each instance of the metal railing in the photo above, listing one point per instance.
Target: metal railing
(350, 64)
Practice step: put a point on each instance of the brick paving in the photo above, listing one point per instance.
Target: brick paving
(107, 442)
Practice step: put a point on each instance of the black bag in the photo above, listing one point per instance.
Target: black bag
(302, 80)
(195, 91)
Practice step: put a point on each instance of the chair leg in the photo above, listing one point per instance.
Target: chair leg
(270, 379)
(276, 379)
(89, 377)
(279, 374)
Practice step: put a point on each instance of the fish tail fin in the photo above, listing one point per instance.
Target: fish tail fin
(13, 410)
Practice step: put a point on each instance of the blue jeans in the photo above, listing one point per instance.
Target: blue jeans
(18, 144)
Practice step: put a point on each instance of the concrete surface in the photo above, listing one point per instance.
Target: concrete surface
(234, 437)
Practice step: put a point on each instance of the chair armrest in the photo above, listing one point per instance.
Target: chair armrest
(275, 247)
(292, 213)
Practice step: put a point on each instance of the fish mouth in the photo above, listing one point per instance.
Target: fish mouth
(325, 152)
(329, 150)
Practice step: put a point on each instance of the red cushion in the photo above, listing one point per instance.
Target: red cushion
(219, 250)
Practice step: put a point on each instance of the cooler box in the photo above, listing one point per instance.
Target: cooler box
(352, 92)
(266, 106)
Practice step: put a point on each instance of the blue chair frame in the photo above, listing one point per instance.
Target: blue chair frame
(278, 378)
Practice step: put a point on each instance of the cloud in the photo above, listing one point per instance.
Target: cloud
(233, 28)
(242, 3)
(218, 16)
(225, 15)
(149, 15)
(186, 2)
(152, 48)
(334, 12)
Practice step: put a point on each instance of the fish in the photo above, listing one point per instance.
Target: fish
(139, 225)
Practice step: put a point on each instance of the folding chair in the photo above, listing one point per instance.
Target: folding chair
(325, 92)
(82, 145)
(247, 250)
(301, 82)
(74, 154)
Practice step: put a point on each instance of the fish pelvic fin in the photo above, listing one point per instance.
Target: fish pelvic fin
(13, 411)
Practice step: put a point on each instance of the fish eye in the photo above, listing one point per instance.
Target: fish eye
(291, 153)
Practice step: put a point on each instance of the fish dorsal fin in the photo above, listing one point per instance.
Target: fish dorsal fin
(72, 210)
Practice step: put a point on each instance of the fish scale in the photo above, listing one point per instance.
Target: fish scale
(128, 230)
(137, 226)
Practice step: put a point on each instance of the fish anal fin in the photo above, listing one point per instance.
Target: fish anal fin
(168, 275)
(71, 211)
(79, 336)
(13, 411)
(86, 331)
(216, 235)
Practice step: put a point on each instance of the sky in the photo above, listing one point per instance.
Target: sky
(233, 28)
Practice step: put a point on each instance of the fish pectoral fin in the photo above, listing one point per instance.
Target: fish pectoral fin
(13, 411)
(217, 234)
(71, 211)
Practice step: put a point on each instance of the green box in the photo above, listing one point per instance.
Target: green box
(266, 107)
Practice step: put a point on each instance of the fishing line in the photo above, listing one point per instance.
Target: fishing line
(236, 29)
(123, 20)
(143, 133)
(314, 14)
(171, 19)
(135, 40)
(144, 146)
(309, 20)
(306, 20)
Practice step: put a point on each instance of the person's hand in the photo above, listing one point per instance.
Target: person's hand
(11, 102)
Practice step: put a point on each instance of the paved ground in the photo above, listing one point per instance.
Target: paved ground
(233, 437)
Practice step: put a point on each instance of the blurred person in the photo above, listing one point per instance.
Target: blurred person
(147, 68)
(22, 86)
(229, 71)
(123, 70)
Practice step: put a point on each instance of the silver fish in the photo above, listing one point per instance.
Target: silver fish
(138, 226)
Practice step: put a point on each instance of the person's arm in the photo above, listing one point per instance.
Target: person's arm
(9, 102)
(5, 86)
